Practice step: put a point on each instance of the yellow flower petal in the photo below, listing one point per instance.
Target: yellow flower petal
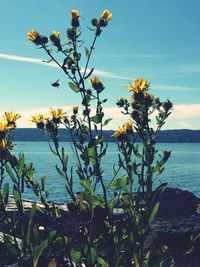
(106, 15)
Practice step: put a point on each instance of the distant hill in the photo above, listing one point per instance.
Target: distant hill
(167, 136)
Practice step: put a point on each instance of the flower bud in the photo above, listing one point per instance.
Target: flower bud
(97, 84)
(55, 38)
(167, 105)
(44, 40)
(94, 22)
(121, 102)
(75, 23)
(75, 109)
(75, 18)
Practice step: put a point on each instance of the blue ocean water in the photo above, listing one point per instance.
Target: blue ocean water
(182, 169)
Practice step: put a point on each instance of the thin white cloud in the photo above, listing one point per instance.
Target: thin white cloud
(192, 68)
(101, 73)
(23, 59)
(165, 70)
(172, 87)
(110, 75)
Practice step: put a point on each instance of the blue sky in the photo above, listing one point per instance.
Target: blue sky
(157, 40)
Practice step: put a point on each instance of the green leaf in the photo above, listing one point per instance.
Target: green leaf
(106, 122)
(10, 173)
(52, 235)
(96, 119)
(6, 193)
(147, 259)
(11, 246)
(87, 52)
(111, 204)
(62, 175)
(102, 262)
(74, 87)
(21, 164)
(38, 250)
(153, 212)
(93, 255)
(119, 183)
(91, 154)
(43, 181)
(32, 214)
(17, 198)
(47, 61)
(86, 184)
(75, 255)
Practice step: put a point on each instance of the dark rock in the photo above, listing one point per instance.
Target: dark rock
(176, 222)
(176, 202)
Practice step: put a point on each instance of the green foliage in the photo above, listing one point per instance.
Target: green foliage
(74, 87)
(101, 237)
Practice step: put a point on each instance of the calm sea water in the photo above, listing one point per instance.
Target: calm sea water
(182, 169)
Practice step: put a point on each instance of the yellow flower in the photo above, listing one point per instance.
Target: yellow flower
(36, 38)
(94, 80)
(38, 118)
(75, 14)
(57, 114)
(11, 117)
(106, 15)
(75, 109)
(126, 128)
(56, 34)
(33, 35)
(4, 126)
(140, 85)
(4, 145)
(120, 132)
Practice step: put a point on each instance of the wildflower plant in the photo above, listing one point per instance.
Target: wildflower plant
(101, 237)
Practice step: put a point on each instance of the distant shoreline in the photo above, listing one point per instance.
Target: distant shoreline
(166, 136)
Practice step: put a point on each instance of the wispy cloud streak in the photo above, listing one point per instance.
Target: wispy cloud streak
(173, 87)
(105, 74)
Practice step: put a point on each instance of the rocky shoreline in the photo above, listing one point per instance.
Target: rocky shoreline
(176, 223)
